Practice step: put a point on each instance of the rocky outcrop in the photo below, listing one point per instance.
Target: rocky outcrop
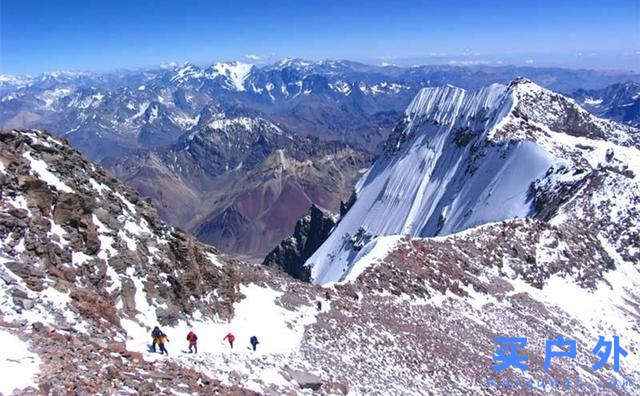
(310, 232)
(91, 230)
(345, 206)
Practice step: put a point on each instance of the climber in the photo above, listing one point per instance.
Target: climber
(155, 334)
(229, 337)
(193, 341)
(161, 340)
(254, 342)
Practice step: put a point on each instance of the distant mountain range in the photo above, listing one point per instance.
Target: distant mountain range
(620, 102)
(222, 149)
(335, 100)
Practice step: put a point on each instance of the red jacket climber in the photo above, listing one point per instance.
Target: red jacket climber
(230, 337)
(193, 341)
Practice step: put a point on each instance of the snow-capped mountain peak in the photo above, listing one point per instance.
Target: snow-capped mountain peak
(186, 71)
(16, 81)
(465, 158)
(234, 72)
(537, 105)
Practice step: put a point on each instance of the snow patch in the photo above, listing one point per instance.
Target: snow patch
(592, 101)
(131, 207)
(234, 72)
(214, 260)
(18, 365)
(40, 168)
(278, 329)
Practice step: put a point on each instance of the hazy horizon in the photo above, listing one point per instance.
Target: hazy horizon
(426, 61)
(38, 36)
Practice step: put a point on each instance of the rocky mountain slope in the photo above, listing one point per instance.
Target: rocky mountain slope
(85, 262)
(88, 269)
(241, 183)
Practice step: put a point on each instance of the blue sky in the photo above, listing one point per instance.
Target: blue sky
(38, 36)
